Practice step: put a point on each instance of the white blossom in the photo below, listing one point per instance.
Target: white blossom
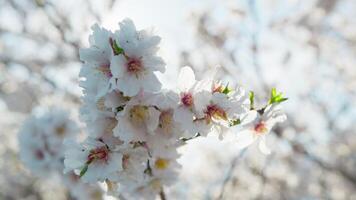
(41, 138)
(93, 160)
(135, 126)
(256, 127)
(97, 59)
(134, 68)
(137, 120)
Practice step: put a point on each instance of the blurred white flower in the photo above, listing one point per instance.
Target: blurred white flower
(40, 140)
(256, 126)
(80, 190)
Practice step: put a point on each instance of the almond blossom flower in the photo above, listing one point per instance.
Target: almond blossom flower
(41, 138)
(100, 117)
(80, 190)
(164, 165)
(256, 127)
(93, 160)
(134, 67)
(136, 120)
(133, 163)
(216, 110)
(166, 102)
(185, 112)
(97, 61)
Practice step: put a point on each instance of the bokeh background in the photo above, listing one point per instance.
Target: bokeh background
(305, 48)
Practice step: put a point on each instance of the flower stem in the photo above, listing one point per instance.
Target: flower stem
(162, 195)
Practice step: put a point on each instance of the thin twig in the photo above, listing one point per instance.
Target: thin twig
(162, 195)
(230, 172)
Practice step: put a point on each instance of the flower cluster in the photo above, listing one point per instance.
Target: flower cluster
(135, 127)
(42, 150)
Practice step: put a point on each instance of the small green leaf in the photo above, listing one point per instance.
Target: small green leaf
(226, 90)
(116, 48)
(276, 97)
(252, 100)
(84, 170)
(235, 122)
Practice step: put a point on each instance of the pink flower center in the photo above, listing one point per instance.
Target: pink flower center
(187, 99)
(134, 65)
(260, 128)
(101, 153)
(214, 111)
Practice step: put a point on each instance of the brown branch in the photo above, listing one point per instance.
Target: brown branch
(162, 195)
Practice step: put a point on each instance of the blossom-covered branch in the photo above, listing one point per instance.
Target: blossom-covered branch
(135, 125)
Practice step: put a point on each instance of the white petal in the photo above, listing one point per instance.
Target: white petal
(100, 36)
(244, 139)
(150, 83)
(249, 118)
(201, 100)
(123, 130)
(117, 66)
(154, 63)
(93, 55)
(129, 85)
(186, 79)
(127, 29)
(263, 146)
(153, 120)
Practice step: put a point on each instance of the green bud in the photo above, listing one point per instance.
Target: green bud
(84, 170)
(226, 90)
(276, 97)
(252, 100)
(235, 122)
(115, 47)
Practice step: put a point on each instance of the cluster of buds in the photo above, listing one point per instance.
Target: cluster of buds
(135, 126)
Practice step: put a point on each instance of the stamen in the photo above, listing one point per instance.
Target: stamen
(161, 163)
(214, 111)
(138, 114)
(165, 120)
(134, 66)
(187, 99)
(101, 153)
(60, 130)
(260, 128)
